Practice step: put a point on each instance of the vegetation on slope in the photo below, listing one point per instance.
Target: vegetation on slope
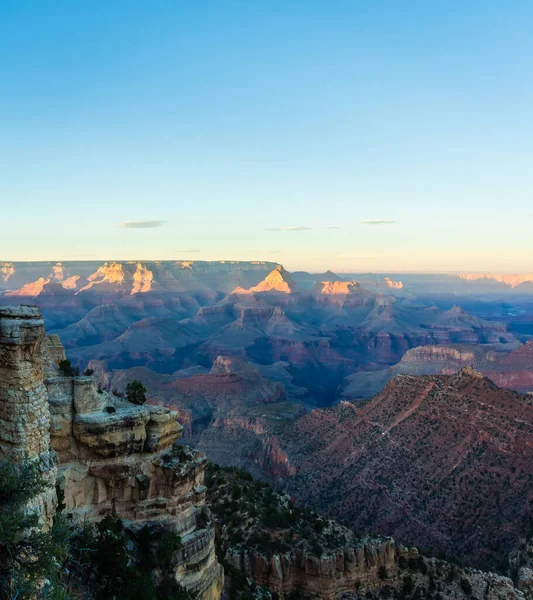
(254, 515)
(87, 562)
(28, 555)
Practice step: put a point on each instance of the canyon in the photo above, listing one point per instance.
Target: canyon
(111, 457)
(337, 388)
(174, 316)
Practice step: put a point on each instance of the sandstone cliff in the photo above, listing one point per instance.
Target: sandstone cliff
(114, 457)
(24, 413)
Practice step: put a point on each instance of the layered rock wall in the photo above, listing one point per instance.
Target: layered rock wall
(24, 414)
(114, 457)
(118, 458)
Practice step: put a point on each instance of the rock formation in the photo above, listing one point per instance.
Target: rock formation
(33, 279)
(24, 413)
(279, 280)
(507, 365)
(443, 462)
(295, 552)
(114, 457)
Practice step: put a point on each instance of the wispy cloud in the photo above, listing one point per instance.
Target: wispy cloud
(298, 228)
(376, 221)
(359, 256)
(142, 224)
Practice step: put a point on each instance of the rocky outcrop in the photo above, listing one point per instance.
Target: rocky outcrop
(24, 414)
(114, 457)
(396, 285)
(507, 365)
(119, 458)
(345, 570)
(278, 280)
(294, 552)
(370, 570)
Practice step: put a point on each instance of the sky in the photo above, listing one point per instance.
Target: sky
(336, 134)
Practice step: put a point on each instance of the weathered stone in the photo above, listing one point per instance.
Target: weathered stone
(24, 414)
(114, 456)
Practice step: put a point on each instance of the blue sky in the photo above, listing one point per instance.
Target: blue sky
(269, 130)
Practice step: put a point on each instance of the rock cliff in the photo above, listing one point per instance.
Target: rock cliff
(114, 457)
(24, 413)
(507, 365)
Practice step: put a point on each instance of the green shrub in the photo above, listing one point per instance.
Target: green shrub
(27, 554)
(136, 392)
(65, 368)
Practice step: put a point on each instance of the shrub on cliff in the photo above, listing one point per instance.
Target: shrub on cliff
(65, 368)
(28, 555)
(112, 563)
(136, 392)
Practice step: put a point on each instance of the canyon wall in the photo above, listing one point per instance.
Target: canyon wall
(24, 414)
(114, 457)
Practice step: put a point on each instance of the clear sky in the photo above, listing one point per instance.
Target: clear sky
(269, 129)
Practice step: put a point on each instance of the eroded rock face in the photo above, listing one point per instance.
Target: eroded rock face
(119, 458)
(24, 414)
(114, 457)
(326, 576)
(297, 553)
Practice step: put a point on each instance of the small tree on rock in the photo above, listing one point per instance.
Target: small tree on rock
(65, 368)
(136, 392)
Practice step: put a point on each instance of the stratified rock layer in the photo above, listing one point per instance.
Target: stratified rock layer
(115, 457)
(24, 414)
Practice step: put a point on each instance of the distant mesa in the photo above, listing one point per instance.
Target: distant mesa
(278, 280)
(397, 285)
(37, 287)
(32, 289)
(112, 273)
(508, 280)
(337, 287)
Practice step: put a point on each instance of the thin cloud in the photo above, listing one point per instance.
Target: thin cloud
(376, 221)
(298, 228)
(142, 224)
(359, 256)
